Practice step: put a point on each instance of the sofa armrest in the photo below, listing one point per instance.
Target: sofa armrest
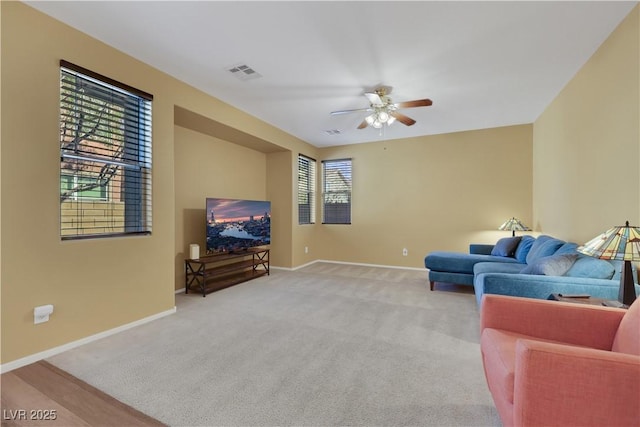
(577, 324)
(480, 249)
(565, 385)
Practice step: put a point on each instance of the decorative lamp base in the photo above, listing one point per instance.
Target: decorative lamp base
(627, 292)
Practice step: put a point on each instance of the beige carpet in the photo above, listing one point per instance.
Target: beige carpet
(327, 345)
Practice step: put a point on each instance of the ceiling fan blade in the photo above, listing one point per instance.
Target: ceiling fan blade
(374, 98)
(363, 125)
(333, 113)
(416, 103)
(402, 118)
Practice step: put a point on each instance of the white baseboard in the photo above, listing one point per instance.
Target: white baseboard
(348, 263)
(293, 268)
(371, 265)
(6, 367)
(273, 267)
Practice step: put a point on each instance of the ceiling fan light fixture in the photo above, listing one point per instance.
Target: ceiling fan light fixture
(383, 111)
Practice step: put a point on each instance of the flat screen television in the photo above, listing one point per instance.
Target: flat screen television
(235, 225)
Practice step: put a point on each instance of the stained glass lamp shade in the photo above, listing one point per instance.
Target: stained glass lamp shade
(620, 243)
(513, 225)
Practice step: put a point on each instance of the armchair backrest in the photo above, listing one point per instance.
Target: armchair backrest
(627, 339)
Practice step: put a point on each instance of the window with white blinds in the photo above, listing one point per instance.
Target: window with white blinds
(306, 190)
(105, 156)
(336, 191)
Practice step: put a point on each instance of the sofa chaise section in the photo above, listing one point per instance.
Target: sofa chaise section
(454, 267)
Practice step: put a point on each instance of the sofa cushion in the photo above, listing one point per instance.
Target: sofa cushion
(455, 262)
(554, 265)
(567, 248)
(498, 267)
(586, 266)
(542, 247)
(523, 248)
(506, 246)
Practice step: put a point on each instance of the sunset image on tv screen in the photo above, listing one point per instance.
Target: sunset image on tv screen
(235, 225)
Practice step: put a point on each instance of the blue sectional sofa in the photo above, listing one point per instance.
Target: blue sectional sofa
(528, 267)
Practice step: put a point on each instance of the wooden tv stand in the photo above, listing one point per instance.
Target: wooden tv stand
(210, 273)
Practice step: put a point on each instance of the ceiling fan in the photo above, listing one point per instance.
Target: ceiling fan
(384, 111)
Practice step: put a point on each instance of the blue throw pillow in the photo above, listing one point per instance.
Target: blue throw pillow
(567, 248)
(506, 246)
(595, 268)
(523, 248)
(542, 247)
(555, 265)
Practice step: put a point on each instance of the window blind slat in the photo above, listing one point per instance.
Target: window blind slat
(336, 191)
(306, 190)
(105, 157)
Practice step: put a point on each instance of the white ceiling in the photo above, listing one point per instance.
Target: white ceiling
(484, 64)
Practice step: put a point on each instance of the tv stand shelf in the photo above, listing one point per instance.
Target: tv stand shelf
(218, 271)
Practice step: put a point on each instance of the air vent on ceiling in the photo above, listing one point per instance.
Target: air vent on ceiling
(332, 132)
(244, 72)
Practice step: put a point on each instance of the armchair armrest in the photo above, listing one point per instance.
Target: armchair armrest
(480, 249)
(574, 386)
(577, 324)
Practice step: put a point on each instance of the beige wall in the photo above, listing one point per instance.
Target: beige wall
(586, 144)
(280, 179)
(209, 167)
(94, 285)
(438, 192)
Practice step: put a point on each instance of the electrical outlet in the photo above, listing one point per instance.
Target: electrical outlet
(41, 313)
(405, 252)
(306, 249)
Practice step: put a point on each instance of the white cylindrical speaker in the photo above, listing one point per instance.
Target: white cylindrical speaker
(194, 251)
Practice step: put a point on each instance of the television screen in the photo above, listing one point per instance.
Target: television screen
(234, 225)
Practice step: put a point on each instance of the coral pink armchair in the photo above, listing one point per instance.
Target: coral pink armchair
(550, 363)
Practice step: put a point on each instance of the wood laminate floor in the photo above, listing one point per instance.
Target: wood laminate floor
(42, 395)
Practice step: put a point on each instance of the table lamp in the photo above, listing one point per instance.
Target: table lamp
(618, 243)
(513, 224)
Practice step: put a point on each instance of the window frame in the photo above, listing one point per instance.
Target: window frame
(344, 169)
(118, 150)
(306, 189)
